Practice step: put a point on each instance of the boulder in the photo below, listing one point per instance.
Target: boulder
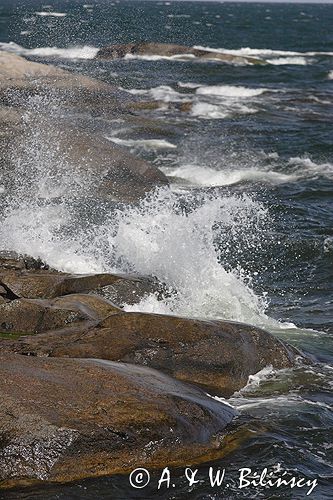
(64, 420)
(168, 50)
(218, 355)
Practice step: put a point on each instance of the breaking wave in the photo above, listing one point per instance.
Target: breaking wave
(186, 248)
(276, 57)
(205, 176)
(75, 52)
(270, 169)
(146, 144)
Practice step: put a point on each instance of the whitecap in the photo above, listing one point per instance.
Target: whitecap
(247, 51)
(215, 111)
(189, 85)
(309, 168)
(205, 176)
(230, 91)
(152, 57)
(51, 14)
(75, 52)
(162, 93)
(150, 144)
(297, 61)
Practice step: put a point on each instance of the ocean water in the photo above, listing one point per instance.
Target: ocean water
(245, 231)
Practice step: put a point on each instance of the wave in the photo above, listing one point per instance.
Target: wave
(205, 176)
(216, 111)
(295, 169)
(152, 57)
(228, 100)
(150, 144)
(50, 14)
(188, 85)
(308, 167)
(297, 60)
(247, 51)
(272, 56)
(42, 216)
(187, 57)
(75, 52)
(229, 91)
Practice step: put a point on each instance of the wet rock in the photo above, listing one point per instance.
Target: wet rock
(109, 170)
(219, 355)
(46, 284)
(131, 290)
(36, 316)
(64, 420)
(25, 277)
(11, 260)
(92, 306)
(32, 316)
(119, 173)
(17, 73)
(169, 50)
(120, 289)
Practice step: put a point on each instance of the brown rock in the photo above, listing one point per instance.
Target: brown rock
(47, 284)
(64, 420)
(219, 355)
(35, 316)
(19, 73)
(109, 170)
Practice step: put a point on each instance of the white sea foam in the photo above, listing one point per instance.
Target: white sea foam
(162, 93)
(43, 217)
(75, 52)
(297, 60)
(205, 176)
(219, 111)
(247, 51)
(51, 14)
(232, 91)
(150, 144)
(275, 57)
(294, 169)
(153, 57)
(330, 75)
(189, 85)
(308, 168)
(210, 102)
(255, 380)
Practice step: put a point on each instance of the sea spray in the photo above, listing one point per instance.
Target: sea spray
(194, 243)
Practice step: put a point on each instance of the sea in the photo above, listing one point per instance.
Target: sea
(245, 230)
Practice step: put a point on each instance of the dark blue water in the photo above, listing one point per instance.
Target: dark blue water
(259, 131)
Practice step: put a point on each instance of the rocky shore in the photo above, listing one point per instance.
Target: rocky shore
(88, 389)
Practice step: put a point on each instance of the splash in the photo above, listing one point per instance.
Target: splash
(194, 243)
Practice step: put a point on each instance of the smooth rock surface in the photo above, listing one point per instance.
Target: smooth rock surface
(63, 420)
(219, 355)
